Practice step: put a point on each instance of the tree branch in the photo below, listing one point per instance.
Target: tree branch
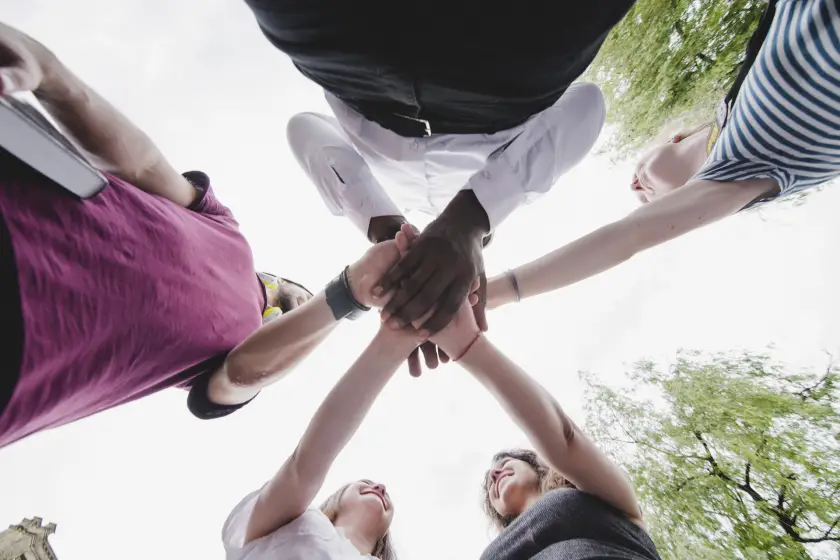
(685, 482)
(649, 445)
(716, 471)
(833, 526)
(805, 393)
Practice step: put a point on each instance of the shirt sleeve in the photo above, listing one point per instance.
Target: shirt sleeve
(551, 143)
(206, 202)
(236, 525)
(199, 403)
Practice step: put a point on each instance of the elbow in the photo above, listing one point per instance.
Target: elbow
(243, 372)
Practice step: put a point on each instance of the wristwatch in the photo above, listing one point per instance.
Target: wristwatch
(340, 298)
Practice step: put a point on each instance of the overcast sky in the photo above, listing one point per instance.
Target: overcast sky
(149, 481)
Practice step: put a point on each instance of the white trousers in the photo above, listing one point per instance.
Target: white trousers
(363, 170)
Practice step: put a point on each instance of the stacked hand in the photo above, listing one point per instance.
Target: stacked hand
(433, 278)
(366, 273)
(456, 336)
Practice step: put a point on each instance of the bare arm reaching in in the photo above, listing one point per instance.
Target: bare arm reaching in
(116, 144)
(697, 204)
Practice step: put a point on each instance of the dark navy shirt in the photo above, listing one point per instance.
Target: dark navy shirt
(466, 66)
(568, 524)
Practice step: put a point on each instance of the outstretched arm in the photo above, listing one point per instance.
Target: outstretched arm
(552, 433)
(277, 347)
(695, 205)
(556, 438)
(300, 478)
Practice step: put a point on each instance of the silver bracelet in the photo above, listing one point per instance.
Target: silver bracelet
(512, 277)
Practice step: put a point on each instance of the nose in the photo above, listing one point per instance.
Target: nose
(494, 475)
(634, 184)
(379, 488)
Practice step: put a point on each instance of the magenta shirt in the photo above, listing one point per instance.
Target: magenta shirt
(121, 295)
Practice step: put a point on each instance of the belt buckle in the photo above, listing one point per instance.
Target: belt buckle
(427, 127)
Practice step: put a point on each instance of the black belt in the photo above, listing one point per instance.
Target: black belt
(408, 127)
(413, 127)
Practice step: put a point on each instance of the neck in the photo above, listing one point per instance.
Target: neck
(533, 499)
(353, 531)
(694, 149)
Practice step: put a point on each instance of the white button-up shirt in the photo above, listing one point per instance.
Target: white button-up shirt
(363, 170)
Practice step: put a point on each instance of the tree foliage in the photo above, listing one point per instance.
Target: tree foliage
(733, 456)
(671, 59)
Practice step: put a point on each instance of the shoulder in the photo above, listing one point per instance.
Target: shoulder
(311, 523)
(205, 201)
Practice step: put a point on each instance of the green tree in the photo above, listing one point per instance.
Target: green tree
(733, 456)
(671, 60)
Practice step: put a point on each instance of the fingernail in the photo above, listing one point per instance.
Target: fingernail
(377, 291)
(424, 334)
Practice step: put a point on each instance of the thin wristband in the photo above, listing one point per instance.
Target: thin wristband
(467, 349)
(513, 282)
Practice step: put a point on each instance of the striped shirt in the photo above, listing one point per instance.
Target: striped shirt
(785, 123)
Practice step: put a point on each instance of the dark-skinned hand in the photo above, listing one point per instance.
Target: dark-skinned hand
(434, 277)
(432, 353)
(384, 228)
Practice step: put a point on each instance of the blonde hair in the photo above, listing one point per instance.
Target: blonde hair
(547, 479)
(383, 549)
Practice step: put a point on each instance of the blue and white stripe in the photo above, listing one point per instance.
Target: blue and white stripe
(785, 123)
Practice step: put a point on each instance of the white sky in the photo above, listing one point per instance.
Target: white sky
(149, 481)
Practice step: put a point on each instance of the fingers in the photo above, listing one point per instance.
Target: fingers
(479, 309)
(14, 80)
(404, 239)
(403, 242)
(20, 73)
(449, 303)
(391, 279)
(430, 354)
(414, 363)
(416, 300)
(473, 299)
(410, 231)
(444, 357)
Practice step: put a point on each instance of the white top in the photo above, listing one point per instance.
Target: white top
(309, 537)
(363, 170)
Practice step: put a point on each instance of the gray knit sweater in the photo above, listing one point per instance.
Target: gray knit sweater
(569, 524)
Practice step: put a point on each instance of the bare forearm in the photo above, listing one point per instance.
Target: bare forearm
(300, 478)
(272, 351)
(532, 408)
(116, 143)
(553, 434)
(587, 256)
(692, 206)
(347, 404)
